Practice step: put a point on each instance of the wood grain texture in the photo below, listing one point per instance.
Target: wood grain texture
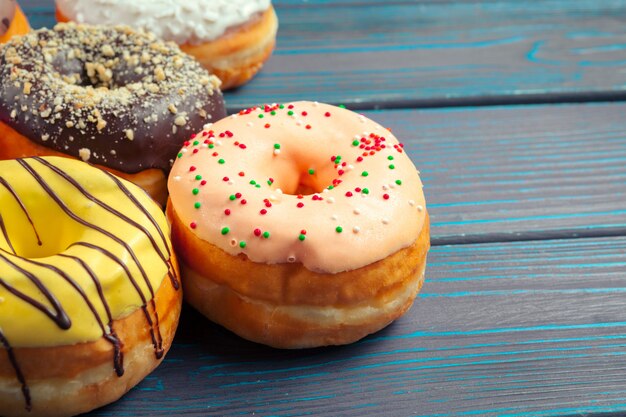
(517, 329)
(518, 172)
(434, 53)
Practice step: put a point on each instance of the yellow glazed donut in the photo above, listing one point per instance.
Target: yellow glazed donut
(89, 288)
(298, 225)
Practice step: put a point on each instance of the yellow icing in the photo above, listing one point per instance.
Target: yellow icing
(22, 324)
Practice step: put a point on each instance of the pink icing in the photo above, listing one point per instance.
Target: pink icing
(360, 196)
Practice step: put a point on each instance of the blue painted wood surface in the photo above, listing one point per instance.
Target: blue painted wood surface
(514, 329)
(379, 53)
(529, 328)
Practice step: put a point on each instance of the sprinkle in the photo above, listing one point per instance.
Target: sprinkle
(289, 113)
(411, 203)
(339, 229)
(192, 168)
(386, 196)
(304, 113)
(197, 205)
(356, 211)
(385, 220)
(300, 204)
(390, 158)
(225, 230)
(257, 232)
(221, 161)
(301, 237)
(198, 177)
(180, 155)
(267, 125)
(241, 174)
(392, 166)
(308, 126)
(225, 179)
(355, 143)
(303, 232)
(193, 225)
(364, 174)
(291, 259)
(195, 191)
(227, 212)
(365, 191)
(243, 201)
(342, 106)
(273, 113)
(277, 146)
(356, 229)
(420, 208)
(261, 116)
(348, 193)
(311, 171)
(327, 114)
(266, 235)
(242, 244)
(263, 211)
(232, 197)
(399, 182)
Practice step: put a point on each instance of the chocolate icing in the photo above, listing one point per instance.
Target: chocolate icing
(109, 95)
(7, 12)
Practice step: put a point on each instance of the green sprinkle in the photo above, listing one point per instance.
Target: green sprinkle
(253, 182)
(277, 146)
(180, 154)
(196, 143)
(261, 116)
(211, 146)
(390, 158)
(342, 106)
(266, 235)
(392, 166)
(364, 174)
(301, 237)
(281, 106)
(198, 177)
(289, 113)
(232, 197)
(311, 171)
(269, 182)
(330, 187)
(197, 205)
(195, 191)
(220, 161)
(273, 113)
(399, 182)
(355, 143)
(225, 230)
(339, 229)
(365, 191)
(242, 244)
(257, 185)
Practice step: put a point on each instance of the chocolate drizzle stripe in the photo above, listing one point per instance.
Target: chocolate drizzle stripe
(21, 203)
(6, 235)
(18, 371)
(157, 340)
(59, 316)
(110, 336)
(137, 204)
(84, 222)
(119, 214)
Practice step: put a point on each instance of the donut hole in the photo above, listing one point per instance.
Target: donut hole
(41, 242)
(307, 181)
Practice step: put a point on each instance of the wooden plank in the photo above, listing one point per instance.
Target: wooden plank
(389, 54)
(517, 329)
(518, 172)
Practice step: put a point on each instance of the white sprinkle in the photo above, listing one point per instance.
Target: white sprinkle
(299, 123)
(385, 220)
(356, 211)
(356, 229)
(84, 154)
(45, 137)
(207, 126)
(233, 116)
(184, 150)
(420, 208)
(350, 167)
(315, 104)
(177, 178)
(273, 197)
(330, 200)
(392, 185)
(361, 118)
(357, 137)
(334, 217)
(279, 191)
(411, 203)
(249, 124)
(233, 242)
(230, 182)
(204, 145)
(276, 151)
(291, 259)
(218, 143)
(385, 187)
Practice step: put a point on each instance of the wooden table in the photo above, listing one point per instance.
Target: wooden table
(514, 113)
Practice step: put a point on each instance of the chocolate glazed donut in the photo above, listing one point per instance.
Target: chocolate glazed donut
(114, 97)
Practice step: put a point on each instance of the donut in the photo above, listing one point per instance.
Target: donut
(231, 38)
(89, 287)
(298, 225)
(113, 97)
(12, 20)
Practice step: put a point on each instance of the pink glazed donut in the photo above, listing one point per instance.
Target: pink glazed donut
(298, 225)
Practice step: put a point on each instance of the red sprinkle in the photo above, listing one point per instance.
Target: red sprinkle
(227, 212)
(203, 182)
(304, 113)
(241, 174)
(257, 232)
(267, 125)
(263, 211)
(192, 168)
(193, 135)
(303, 232)
(225, 179)
(386, 196)
(237, 195)
(308, 126)
(195, 150)
(193, 225)
(242, 146)
(327, 114)
(300, 204)
(349, 194)
(243, 201)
